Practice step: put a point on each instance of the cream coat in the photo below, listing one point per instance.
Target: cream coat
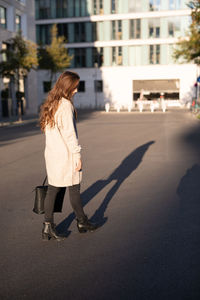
(62, 150)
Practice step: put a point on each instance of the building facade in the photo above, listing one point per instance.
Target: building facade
(120, 48)
(17, 15)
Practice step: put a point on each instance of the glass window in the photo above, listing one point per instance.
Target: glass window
(95, 7)
(71, 8)
(3, 17)
(119, 30)
(134, 6)
(43, 9)
(101, 56)
(117, 55)
(113, 30)
(63, 30)
(43, 34)
(154, 5)
(116, 30)
(154, 54)
(82, 32)
(81, 86)
(61, 8)
(78, 7)
(174, 27)
(101, 6)
(46, 86)
(18, 23)
(174, 4)
(80, 58)
(135, 29)
(131, 29)
(138, 28)
(98, 8)
(79, 32)
(154, 28)
(83, 6)
(157, 54)
(98, 86)
(4, 46)
(113, 55)
(113, 6)
(94, 31)
(151, 54)
(97, 56)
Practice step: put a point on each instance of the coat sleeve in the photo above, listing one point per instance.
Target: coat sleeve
(67, 129)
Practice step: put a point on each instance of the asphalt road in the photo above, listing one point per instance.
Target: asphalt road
(141, 183)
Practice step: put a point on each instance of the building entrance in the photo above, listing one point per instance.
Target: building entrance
(153, 89)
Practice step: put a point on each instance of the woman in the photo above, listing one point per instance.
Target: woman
(62, 152)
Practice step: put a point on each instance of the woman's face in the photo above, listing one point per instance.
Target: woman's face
(74, 91)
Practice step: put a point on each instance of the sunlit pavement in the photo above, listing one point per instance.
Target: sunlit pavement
(141, 184)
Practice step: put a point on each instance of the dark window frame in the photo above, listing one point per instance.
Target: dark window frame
(117, 56)
(154, 5)
(135, 29)
(114, 6)
(80, 32)
(46, 86)
(81, 87)
(3, 17)
(18, 25)
(80, 58)
(97, 7)
(44, 9)
(98, 86)
(97, 56)
(154, 28)
(62, 8)
(116, 30)
(154, 54)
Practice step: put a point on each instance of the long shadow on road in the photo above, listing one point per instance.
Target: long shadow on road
(126, 167)
(189, 231)
(13, 132)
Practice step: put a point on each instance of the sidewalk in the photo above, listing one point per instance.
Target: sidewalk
(13, 121)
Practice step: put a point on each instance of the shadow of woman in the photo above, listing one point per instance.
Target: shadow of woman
(188, 236)
(126, 167)
(189, 193)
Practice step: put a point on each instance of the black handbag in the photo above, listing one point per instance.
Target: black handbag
(40, 195)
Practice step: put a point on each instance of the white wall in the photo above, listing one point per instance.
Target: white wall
(118, 82)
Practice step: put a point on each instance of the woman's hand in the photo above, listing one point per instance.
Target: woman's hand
(78, 165)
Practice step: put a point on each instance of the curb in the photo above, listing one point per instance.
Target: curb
(17, 123)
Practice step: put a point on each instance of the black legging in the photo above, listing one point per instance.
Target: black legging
(74, 196)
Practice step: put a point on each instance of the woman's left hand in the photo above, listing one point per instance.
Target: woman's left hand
(78, 165)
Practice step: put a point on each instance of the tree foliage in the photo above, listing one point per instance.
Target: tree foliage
(54, 57)
(20, 56)
(189, 47)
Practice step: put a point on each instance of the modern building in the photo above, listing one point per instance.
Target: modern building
(17, 15)
(120, 48)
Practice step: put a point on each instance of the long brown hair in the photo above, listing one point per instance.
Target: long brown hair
(64, 87)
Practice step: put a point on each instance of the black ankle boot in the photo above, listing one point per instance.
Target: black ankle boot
(49, 232)
(85, 225)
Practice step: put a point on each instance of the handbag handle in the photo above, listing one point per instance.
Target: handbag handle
(44, 180)
(42, 184)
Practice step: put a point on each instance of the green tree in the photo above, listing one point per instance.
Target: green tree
(54, 57)
(189, 48)
(18, 58)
